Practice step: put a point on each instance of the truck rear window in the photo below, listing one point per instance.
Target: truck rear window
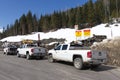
(64, 47)
(78, 47)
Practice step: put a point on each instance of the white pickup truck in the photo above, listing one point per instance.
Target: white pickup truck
(31, 50)
(80, 56)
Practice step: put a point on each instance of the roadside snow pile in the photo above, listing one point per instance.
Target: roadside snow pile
(67, 33)
(112, 46)
(110, 30)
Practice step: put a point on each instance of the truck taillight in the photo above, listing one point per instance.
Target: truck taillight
(89, 54)
(32, 50)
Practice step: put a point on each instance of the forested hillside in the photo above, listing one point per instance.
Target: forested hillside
(87, 15)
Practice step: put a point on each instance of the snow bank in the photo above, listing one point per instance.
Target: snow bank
(110, 31)
(69, 34)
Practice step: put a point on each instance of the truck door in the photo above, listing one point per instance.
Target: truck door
(57, 51)
(21, 49)
(62, 53)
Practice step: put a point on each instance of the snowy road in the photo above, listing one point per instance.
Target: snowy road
(13, 68)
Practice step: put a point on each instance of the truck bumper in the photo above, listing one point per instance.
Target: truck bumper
(12, 52)
(98, 61)
(38, 55)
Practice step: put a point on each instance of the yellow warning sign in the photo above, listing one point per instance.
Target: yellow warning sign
(87, 32)
(78, 33)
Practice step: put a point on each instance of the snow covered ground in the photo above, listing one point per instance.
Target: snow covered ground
(111, 31)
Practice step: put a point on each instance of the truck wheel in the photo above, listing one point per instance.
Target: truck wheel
(27, 56)
(50, 58)
(78, 64)
(4, 53)
(7, 53)
(18, 55)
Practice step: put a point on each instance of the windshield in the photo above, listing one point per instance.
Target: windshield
(13, 46)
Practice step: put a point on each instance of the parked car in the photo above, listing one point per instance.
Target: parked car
(31, 50)
(79, 56)
(10, 49)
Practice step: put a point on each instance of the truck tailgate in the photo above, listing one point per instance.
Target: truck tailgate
(97, 54)
(39, 50)
(36, 50)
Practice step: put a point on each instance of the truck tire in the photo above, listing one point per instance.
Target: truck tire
(7, 53)
(27, 56)
(4, 53)
(18, 55)
(78, 63)
(50, 58)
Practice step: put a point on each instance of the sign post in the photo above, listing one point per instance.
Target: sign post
(38, 39)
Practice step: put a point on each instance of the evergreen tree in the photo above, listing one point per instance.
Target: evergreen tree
(71, 17)
(46, 23)
(91, 12)
(85, 13)
(29, 22)
(40, 24)
(16, 27)
(56, 20)
(23, 25)
(64, 20)
(35, 23)
(99, 12)
(79, 16)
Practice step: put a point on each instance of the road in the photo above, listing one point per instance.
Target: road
(13, 68)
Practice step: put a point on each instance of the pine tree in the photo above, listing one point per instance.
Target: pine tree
(99, 12)
(16, 27)
(40, 24)
(79, 16)
(71, 17)
(64, 20)
(91, 12)
(35, 23)
(23, 26)
(46, 23)
(29, 22)
(85, 13)
(54, 20)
